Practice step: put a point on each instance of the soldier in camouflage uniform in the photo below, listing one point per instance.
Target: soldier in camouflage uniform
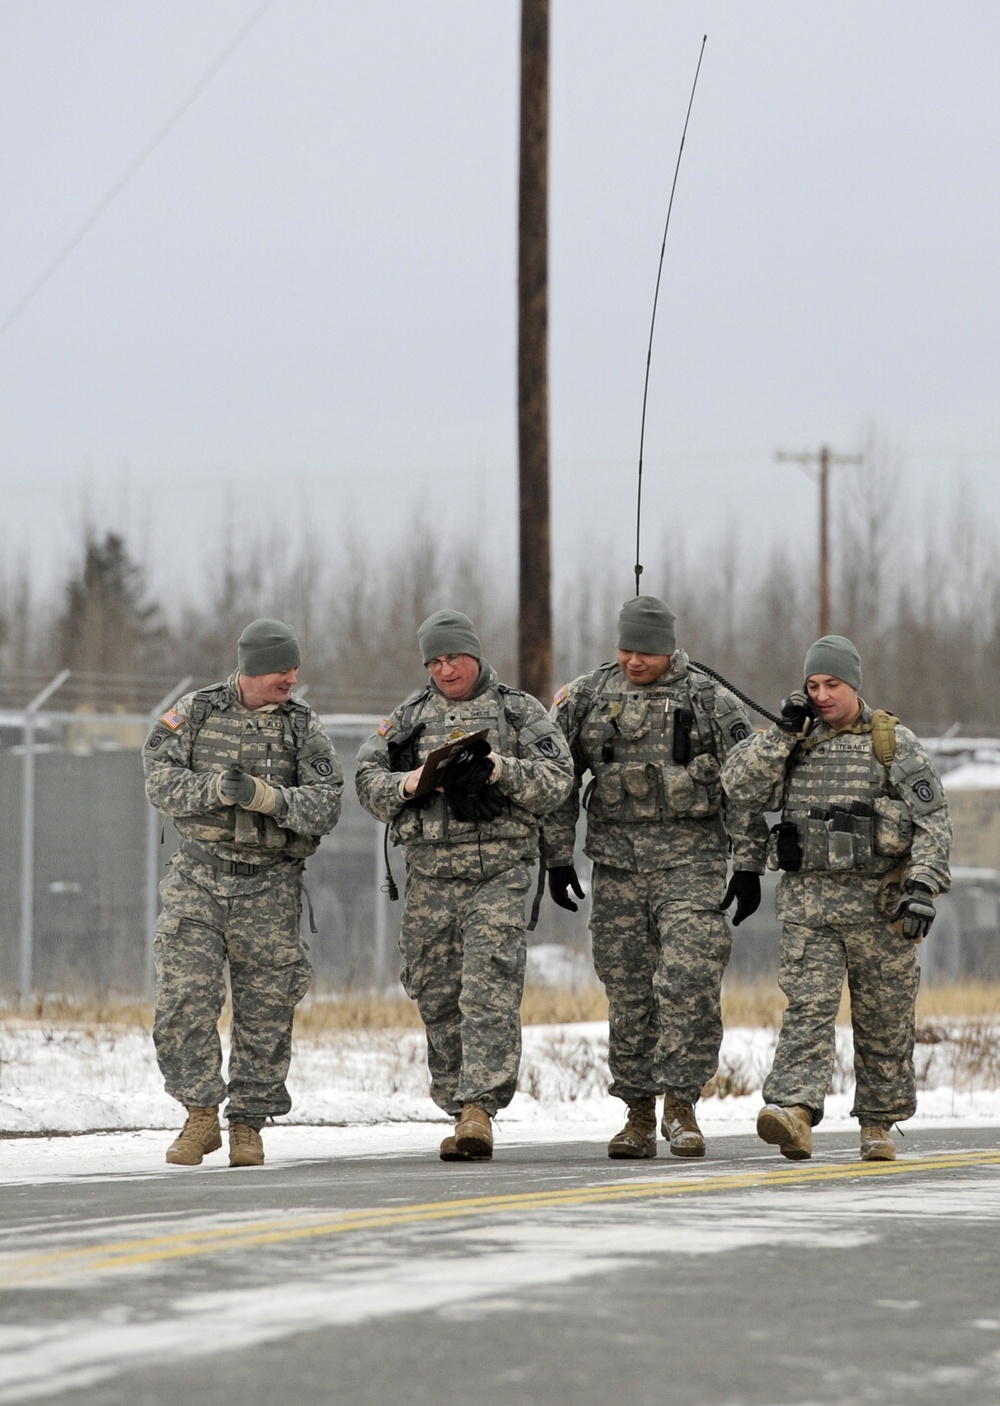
(863, 842)
(654, 731)
(469, 850)
(250, 777)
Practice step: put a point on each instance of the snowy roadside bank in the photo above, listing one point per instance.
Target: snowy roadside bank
(73, 1081)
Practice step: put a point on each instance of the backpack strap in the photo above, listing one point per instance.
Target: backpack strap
(884, 736)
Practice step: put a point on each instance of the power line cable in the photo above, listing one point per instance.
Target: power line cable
(134, 166)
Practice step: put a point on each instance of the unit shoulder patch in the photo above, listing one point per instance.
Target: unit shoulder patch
(549, 747)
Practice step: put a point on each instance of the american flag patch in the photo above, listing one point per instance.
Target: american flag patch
(172, 720)
(386, 728)
(561, 696)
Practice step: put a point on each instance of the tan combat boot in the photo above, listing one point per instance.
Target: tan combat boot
(246, 1149)
(789, 1128)
(474, 1133)
(638, 1137)
(200, 1134)
(681, 1127)
(877, 1144)
(449, 1151)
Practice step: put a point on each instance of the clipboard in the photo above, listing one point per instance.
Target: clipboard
(437, 761)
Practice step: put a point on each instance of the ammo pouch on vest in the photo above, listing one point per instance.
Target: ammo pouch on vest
(837, 839)
(638, 791)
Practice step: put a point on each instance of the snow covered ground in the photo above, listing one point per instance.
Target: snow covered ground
(368, 1091)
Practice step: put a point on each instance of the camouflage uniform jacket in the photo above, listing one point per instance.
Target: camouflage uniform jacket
(286, 745)
(645, 810)
(850, 868)
(536, 776)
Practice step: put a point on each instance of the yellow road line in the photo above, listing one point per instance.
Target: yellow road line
(93, 1259)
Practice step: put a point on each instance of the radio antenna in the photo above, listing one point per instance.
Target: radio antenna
(652, 324)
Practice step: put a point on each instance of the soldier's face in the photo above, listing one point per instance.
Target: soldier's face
(261, 689)
(836, 701)
(643, 668)
(456, 675)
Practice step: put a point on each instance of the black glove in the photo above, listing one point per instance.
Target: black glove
(236, 788)
(745, 888)
(561, 879)
(466, 785)
(915, 912)
(796, 710)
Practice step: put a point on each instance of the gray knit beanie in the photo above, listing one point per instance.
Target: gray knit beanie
(267, 647)
(834, 655)
(647, 625)
(448, 632)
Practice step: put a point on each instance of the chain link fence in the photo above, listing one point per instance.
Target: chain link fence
(82, 854)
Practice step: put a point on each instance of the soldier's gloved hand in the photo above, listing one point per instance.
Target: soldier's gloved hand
(796, 710)
(562, 878)
(915, 912)
(477, 809)
(745, 888)
(469, 770)
(236, 787)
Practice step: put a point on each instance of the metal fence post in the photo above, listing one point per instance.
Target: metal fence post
(26, 978)
(152, 844)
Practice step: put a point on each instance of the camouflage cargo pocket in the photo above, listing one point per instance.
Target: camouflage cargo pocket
(679, 788)
(508, 955)
(640, 782)
(609, 790)
(707, 798)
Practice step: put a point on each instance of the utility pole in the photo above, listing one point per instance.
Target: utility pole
(534, 604)
(823, 462)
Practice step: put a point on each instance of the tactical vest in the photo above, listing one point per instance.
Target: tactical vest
(432, 821)
(655, 751)
(839, 812)
(265, 744)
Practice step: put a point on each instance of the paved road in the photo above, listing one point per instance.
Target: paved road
(553, 1276)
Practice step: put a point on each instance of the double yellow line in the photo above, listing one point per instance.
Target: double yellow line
(122, 1254)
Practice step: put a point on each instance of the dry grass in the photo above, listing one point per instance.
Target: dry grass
(743, 1004)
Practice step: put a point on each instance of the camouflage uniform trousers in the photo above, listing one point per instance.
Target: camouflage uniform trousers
(660, 947)
(463, 948)
(882, 977)
(200, 927)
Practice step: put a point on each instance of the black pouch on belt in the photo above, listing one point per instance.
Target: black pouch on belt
(788, 847)
(683, 723)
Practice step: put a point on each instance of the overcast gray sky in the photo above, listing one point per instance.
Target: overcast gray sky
(301, 309)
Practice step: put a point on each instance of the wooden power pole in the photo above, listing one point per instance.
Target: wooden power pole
(534, 604)
(822, 461)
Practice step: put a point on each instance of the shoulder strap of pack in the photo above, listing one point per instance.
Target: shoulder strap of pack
(410, 706)
(701, 690)
(202, 704)
(295, 722)
(884, 736)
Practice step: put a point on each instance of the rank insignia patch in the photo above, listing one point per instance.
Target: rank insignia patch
(172, 720)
